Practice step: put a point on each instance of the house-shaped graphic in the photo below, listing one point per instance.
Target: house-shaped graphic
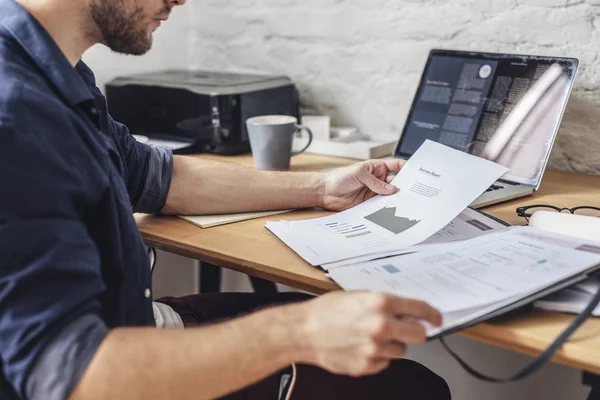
(387, 219)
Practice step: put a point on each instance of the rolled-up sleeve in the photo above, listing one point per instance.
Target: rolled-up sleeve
(149, 170)
(156, 184)
(50, 267)
(63, 361)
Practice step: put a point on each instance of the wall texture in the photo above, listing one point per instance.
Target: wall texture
(360, 60)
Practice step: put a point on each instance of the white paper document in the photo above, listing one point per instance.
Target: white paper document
(468, 224)
(435, 185)
(466, 280)
(208, 221)
(573, 300)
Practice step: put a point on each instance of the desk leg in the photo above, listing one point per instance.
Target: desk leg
(210, 281)
(263, 286)
(593, 381)
(210, 278)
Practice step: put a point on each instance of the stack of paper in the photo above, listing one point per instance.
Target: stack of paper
(468, 224)
(471, 279)
(434, 187)
(572, 300)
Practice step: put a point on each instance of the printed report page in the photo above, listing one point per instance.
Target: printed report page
(468, 224)
(435, 186)
(462, 279)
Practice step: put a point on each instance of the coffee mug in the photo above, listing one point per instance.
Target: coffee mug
(271, 140)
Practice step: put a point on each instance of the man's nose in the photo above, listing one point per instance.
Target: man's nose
(173, 3)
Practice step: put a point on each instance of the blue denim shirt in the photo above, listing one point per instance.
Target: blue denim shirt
(70, 178)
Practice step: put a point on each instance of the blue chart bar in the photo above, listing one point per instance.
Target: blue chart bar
(344, 228)
(355, 229)
(391, 269)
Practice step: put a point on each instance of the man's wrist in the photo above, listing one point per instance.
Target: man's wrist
(318, 189)
(290, 334)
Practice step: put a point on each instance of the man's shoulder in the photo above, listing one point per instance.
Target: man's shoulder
(25, 97)
(22, 83)
(29, 109)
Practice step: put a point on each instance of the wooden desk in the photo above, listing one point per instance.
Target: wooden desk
(248, 247)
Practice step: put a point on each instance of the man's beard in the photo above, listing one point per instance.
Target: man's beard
(122, 31)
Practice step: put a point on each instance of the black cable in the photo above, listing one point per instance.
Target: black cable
(542, 359)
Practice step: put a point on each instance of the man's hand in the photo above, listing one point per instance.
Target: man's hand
(359, 333)
(347, 187)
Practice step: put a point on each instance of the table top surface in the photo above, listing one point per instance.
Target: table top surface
(250, 248)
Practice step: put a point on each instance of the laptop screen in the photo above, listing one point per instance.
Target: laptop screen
(464, 98)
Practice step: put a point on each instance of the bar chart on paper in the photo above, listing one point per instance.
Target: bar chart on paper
(346, 229)
(372, 231)
(359, 233)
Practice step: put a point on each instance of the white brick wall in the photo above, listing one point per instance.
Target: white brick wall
(360, 60)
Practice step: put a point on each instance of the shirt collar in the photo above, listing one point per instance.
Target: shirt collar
(44, 51)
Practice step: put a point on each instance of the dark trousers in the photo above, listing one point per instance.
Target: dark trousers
(403, 380)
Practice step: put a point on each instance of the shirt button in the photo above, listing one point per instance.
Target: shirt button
(147, 293)
(94, 111)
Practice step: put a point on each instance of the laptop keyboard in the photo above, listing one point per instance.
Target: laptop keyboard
(494, 187)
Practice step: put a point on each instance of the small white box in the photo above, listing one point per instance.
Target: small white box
(319, 125)
(344, 134)
(360, 149)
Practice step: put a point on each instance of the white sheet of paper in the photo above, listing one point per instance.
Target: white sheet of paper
(435, 185)
(569, 301)
(468, 224)
(464, 279)
(207, 221)
(574, 299)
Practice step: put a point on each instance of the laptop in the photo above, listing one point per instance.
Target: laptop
(503, 107)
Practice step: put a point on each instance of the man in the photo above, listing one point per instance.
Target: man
(76, 316)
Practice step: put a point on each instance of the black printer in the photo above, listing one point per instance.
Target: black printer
(204, 110)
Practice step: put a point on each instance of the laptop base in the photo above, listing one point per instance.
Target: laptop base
(508, 192)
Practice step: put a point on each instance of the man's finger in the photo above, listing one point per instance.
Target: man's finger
(376, 185)
(405, 331)
(413, 308)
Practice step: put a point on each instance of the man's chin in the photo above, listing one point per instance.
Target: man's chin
(132, 49)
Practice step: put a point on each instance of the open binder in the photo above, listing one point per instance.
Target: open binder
(567, 224)
(471, 281)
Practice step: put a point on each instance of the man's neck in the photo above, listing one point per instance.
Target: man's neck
(66, 22)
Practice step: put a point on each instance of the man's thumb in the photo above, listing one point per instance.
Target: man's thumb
(376, 185)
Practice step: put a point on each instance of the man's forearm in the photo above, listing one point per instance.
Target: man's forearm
(203, 363)
(209, 187)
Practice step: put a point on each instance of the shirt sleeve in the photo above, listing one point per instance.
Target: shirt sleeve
(149, 170)
(62, 362)
(50, 267)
